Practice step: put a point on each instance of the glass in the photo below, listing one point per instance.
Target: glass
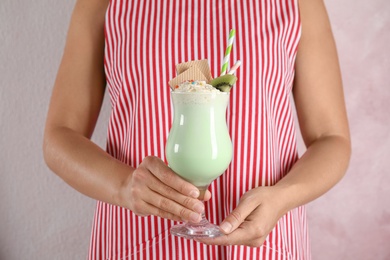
(199, 148)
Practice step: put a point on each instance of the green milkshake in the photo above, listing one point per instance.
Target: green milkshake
(199, 148)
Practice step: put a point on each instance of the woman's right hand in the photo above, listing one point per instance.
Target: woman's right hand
(154, 189)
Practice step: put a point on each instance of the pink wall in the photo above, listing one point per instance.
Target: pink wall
(41, 218)
(352, 221)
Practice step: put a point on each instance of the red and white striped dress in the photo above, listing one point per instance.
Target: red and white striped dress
(144, 41)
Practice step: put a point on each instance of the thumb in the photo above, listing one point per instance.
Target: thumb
(237, 216)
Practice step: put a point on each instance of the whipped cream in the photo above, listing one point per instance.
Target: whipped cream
(195, 86)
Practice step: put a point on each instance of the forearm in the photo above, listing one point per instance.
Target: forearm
(319, 101)
(84, 165)
(318, 170)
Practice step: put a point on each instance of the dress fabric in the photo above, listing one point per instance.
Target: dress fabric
(144, 40)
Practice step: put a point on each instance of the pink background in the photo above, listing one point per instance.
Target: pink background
(41, 218)
(352, 221)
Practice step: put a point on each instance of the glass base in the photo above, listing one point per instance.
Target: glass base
(196, 230)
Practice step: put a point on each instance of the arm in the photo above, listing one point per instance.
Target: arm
(322, 117)
(75, 104)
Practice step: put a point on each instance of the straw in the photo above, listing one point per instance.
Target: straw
(227, 52)
(234, 68)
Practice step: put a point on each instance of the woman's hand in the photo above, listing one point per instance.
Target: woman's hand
(154, 189)
(255, 216)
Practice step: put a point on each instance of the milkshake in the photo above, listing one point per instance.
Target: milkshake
(199, 148)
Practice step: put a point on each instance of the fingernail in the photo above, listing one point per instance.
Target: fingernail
(195, 217)
(194, 194)
(226, 227)
(199, 207)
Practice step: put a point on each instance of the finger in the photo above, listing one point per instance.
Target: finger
(207, 195)
(167, 205)
(241, 236)
(235, 238)
(159, 169)
(149, 209)
(157, 186)
(246, 206)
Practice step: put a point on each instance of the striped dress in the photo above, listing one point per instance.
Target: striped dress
(144, 41)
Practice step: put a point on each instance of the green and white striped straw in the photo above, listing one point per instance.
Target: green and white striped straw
(225, 62)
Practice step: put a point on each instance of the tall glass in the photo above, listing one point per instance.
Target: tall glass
(199, 148)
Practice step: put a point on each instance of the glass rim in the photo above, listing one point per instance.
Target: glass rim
(200, 93)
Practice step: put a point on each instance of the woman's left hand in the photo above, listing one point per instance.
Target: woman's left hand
(255, 216)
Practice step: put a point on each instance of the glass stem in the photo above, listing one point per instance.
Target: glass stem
(202, 222)
(204, 219)
(203, 215)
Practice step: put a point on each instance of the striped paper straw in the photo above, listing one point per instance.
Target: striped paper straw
(234, 68)
(227, 52)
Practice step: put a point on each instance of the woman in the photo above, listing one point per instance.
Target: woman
(286, 47)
